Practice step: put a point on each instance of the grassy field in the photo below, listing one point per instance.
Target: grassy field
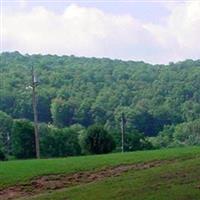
(179, 181)
(176, 180)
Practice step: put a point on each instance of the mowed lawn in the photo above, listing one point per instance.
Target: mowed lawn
(16, 172)
(174, 181)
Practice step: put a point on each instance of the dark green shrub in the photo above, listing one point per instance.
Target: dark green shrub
(58, 142)
(136, 141)
(98, 140)
(5, 131)
(23, 139)
(2, 155)
(187, 134)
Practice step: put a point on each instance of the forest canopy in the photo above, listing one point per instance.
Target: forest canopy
(86, 91)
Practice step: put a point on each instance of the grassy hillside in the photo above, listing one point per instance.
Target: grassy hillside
(178, 176)
(178, 181)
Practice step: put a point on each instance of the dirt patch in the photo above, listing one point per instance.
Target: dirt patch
(53, 182)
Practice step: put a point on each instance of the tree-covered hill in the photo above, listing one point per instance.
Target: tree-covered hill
(83, 90)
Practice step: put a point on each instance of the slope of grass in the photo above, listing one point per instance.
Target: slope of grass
(175, 181)
(15, 172)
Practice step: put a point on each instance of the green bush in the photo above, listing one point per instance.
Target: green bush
(132, 141)
(23, 139)
(57, 142)
(187, 133)
(5, 131)
(2, 155)
(98, 140)
(136, 141)
(164, 138)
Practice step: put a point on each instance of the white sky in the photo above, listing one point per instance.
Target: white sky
(152, 31)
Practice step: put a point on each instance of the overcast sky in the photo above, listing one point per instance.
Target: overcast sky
(152, 31)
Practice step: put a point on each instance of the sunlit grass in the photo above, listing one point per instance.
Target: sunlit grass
(175, 181)
(15, 172)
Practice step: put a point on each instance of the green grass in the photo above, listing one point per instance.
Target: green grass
(16, 172)
(175, 181)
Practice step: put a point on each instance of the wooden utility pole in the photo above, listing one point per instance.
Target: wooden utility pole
(123, 121)
(37, 144)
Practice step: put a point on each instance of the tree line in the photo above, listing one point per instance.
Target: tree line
(87, 91)
(17, 140)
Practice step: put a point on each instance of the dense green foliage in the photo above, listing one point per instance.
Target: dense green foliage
(188, 133)
(98, 140)
(183, 134)
(88, 90)
(59, 142)
(136, 141)
(2, 155)
(56, 142)
(157, 100)
(23, 139)
(5, 132)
